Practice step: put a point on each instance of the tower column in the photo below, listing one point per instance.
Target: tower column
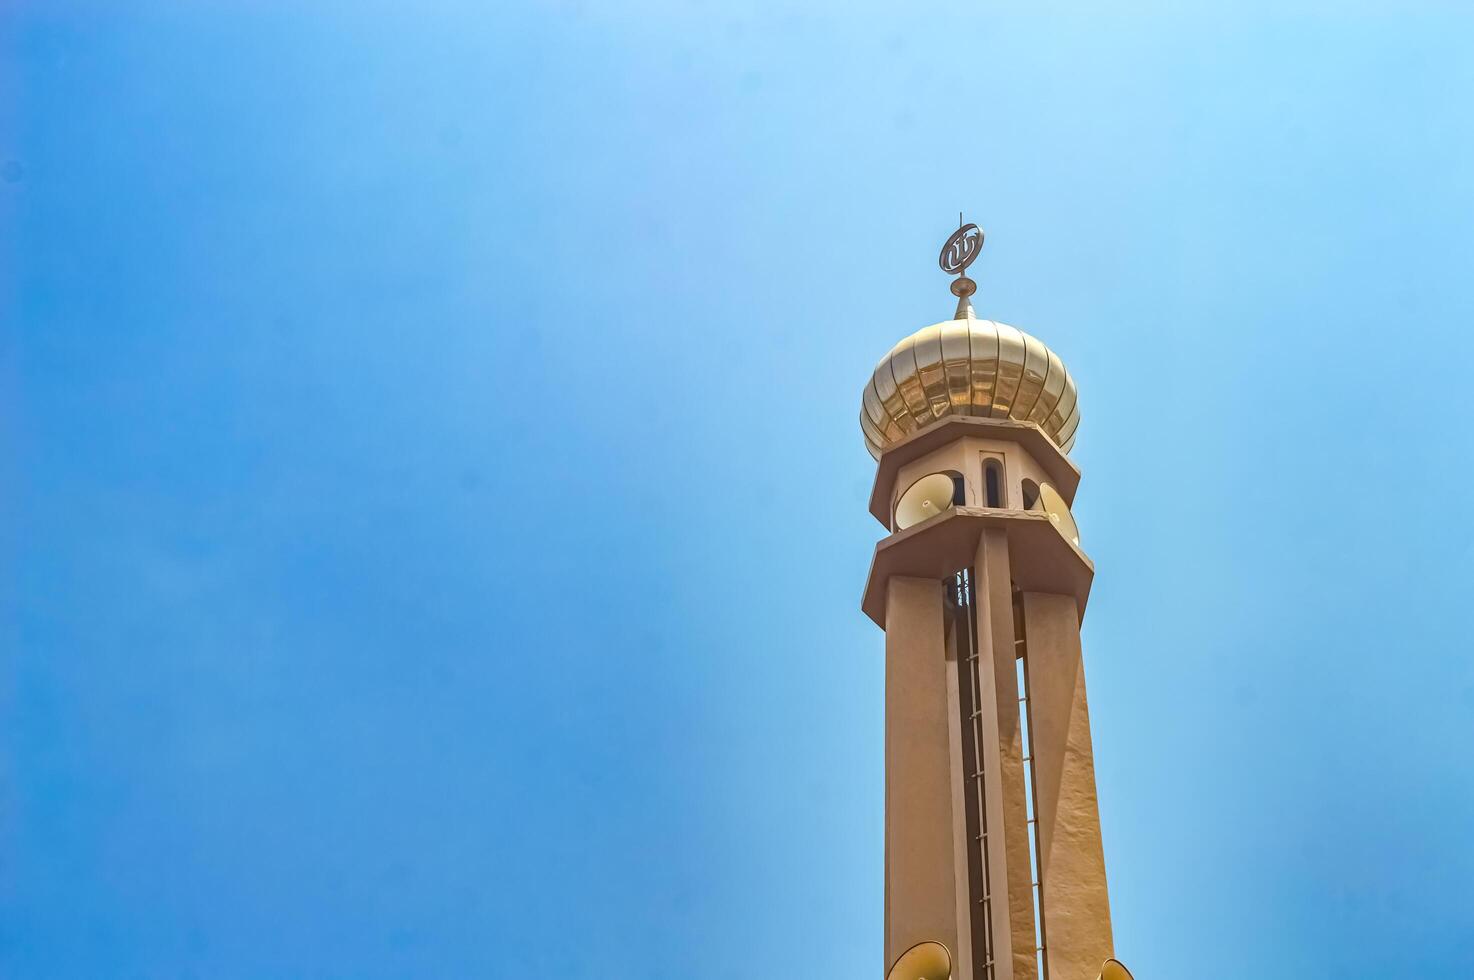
(920, 857)
(1077, 912)
(1007, 789)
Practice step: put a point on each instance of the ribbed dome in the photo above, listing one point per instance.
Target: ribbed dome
(968, 367)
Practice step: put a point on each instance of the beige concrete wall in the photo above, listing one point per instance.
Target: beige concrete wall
(952, 456)
(1008, 837)
(965, 456)
(920, 861)
(1077, 915)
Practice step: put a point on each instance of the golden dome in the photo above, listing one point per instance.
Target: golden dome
(970, 367)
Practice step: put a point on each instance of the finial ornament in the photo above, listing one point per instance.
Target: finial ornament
(957, 254)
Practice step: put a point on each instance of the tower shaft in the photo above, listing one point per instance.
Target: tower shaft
(992, 835)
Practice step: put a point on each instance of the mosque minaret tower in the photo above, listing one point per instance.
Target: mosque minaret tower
(993, 862)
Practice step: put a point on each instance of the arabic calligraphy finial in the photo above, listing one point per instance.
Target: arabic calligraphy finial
(958, 253)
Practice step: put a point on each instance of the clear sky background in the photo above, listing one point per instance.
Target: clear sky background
(433, 508)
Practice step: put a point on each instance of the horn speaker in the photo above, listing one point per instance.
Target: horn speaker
(927, 497)
(924, 961)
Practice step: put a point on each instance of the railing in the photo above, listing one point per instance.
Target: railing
(1036, 863)
(970, 690)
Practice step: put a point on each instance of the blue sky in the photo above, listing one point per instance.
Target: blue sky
(433, 507)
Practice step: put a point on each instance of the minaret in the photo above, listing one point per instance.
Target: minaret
(993, 860)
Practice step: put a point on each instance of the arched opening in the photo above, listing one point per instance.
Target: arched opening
(992, 483)
(1031, 495)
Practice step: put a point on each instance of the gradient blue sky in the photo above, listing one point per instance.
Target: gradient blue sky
(433, 508)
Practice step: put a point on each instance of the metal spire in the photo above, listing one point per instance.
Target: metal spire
(957, 254)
